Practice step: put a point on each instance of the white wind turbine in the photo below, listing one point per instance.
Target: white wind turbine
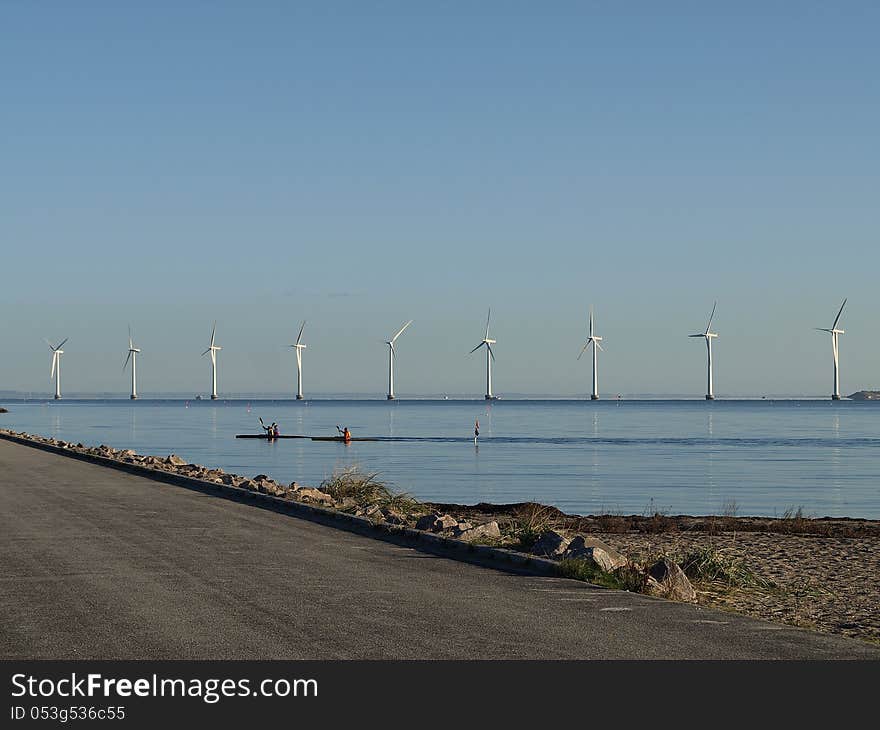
(710, 395)
(593, 340)
(55, 372)
(213, 350)
(299, 347)
(132, 355)
(834, 349)
(489, 357)
(390, 344)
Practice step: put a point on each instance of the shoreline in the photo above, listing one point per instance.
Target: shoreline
(816, 573)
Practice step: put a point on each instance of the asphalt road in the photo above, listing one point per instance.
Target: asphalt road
(100, 564)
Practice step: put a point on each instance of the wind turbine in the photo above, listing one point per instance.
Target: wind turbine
(593, 340)
(834, 349)
(390, 344)
(299, 347)
(213, 350)
(55, 372)
(710, 395)
(489, 357)
(132, 355)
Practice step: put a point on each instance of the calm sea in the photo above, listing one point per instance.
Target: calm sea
(631, 457)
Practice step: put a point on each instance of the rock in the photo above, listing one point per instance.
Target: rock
(374, 512)
(490, 529)
(128, 452)
(427, 522)
(551, 544)
(589, 548)
(460, 527)
(445, 522)
(310, 494)
(667, 579)
(174, 460)
(262, 478)
(393, 517)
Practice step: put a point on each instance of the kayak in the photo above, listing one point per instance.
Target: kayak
(339, 438)
(264, 436)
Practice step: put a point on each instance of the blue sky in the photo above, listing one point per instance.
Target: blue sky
(361, 164)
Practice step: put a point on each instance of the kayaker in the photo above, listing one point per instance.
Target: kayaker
(346, 434)
(476, 430)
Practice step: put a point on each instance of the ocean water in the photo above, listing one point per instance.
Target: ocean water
(628, 457)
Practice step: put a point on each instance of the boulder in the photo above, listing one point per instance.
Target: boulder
(445, 522)
(310, 494)
(174, 460)
(551, 544)
(589, 548)
(667, 579)
(393, 517)
(427, 522)
(460, 527)
(490, 529)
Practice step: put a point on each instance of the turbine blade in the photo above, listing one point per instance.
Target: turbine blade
(54, 360)
(477, 348)
(584, 348)
(400, 331)
(62, 343)
(600, 347)
(299, 336)
(591, 321)
(711, 317)
(701, 334)
(822, 329)
(836, 319)
(125, 364)
(213, 330)
(490, 351)
(206, 352)
(51, 346)
(487, 322)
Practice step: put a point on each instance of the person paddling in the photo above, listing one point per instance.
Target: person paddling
(476, 430)
(346, 434)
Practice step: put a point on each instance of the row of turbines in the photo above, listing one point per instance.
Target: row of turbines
(487, 342)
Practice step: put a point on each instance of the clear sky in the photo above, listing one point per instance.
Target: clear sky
(359, 164)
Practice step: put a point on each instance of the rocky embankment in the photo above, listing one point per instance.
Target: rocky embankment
(814, 573)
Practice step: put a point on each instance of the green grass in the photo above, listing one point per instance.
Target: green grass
(627, 578)
(531, 521)
(707, 564)
(353, 484)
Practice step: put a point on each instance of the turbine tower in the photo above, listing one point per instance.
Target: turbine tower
(132, 355)
(593, 340)
(55, 372)
(834, 350)
(390, 344)
(213, 350)
(299, 347)
(489, 357)
(710, 395)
